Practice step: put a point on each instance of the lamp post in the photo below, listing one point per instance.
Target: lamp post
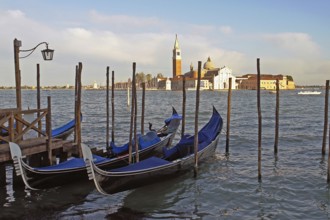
(47, 54)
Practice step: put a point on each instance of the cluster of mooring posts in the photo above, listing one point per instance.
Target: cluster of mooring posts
(41, 149)
(133, 113)
(325, 129)
(277, 123)
(133, 121)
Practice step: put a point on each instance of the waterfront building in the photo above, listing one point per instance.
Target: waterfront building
(218, 77)
(267, 82)
(221, 81)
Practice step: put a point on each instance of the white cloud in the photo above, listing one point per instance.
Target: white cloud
(226, 29)
(15, 14)
(80, 33)
(299, 44)
(199, 48)
(314, 72)
(199, 29)
(123, 21)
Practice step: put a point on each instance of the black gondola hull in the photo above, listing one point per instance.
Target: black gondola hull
(39, 179)
(111, 183)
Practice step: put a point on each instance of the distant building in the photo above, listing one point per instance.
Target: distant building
(267, 82)
(95, 86)
(221, 81)
(218, 77)
(191, 83)
(122, 85)
(162, 82)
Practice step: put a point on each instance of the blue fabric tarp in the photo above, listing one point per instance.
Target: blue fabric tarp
(71, 164)
(149, 139)
(145, 141)
(174, 116)
(60, 130)
(205, 136)
(119, 149)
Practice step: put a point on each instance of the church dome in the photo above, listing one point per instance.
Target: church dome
(208, 65)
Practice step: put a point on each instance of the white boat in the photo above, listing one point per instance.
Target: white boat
(309, 93)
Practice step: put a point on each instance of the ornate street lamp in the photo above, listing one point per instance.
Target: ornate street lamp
(47, 54)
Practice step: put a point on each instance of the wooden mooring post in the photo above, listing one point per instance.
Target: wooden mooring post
(196, 117)
(76, 103)
(78, 108)
(325, 128)
(130, 147)
(183, 105)
(277, 111)
(328, 178)
(107, 107)
(113, 107)
(136, 144)
(2, 174)
(49, 131)
(259, 120)
(228, 116)
(38, 97)
(143, 106)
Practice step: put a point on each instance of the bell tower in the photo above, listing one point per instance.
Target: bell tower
(176, 58)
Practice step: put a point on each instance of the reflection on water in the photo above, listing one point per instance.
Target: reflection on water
(293, 183)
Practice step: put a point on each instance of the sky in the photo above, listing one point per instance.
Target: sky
(289, 37)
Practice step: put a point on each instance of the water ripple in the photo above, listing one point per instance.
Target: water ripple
(293, 183)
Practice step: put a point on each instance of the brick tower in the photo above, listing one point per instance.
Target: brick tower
(176, 58)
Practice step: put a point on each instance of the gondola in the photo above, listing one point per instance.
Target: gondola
(74, 169)
(175, 160)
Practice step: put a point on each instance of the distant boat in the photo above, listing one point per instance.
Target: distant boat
(309, 93)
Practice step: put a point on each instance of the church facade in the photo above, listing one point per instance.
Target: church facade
(212, 77)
